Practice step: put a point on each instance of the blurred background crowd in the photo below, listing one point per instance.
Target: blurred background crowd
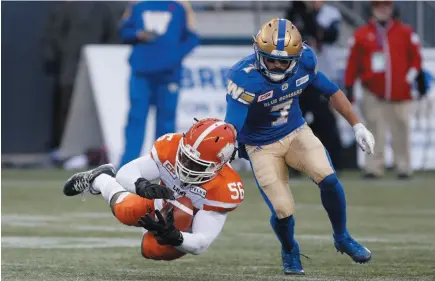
(43, 43)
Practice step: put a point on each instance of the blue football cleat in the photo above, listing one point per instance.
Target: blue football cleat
(292, 261)
(353, 249)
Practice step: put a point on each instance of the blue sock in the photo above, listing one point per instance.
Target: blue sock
(285, 230)
(334, 202)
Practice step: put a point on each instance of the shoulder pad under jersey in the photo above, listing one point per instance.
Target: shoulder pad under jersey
(244, 80)
(165, 147)
(308, 59)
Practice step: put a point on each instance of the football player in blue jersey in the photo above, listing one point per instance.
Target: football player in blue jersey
(262, 105)
(162, 34)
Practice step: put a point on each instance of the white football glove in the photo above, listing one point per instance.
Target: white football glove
(364, 138)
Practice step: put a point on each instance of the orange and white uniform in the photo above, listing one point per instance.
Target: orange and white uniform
(222, 194)
(212, 200)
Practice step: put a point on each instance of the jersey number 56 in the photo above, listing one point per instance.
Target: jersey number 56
(237, 191)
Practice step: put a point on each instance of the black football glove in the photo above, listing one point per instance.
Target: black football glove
(164, 230)
(146, 189)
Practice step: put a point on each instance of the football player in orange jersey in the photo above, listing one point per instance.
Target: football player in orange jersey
(193, 165)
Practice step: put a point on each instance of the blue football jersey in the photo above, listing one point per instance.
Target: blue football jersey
(264, 112)
(171, 22)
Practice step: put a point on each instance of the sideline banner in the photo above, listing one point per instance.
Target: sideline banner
(100, 101)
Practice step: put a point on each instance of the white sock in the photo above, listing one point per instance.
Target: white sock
(107, 185)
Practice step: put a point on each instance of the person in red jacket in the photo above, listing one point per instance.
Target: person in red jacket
(385, 56)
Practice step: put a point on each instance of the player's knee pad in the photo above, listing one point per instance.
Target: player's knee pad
(128, 207)
(279, 199)
(151, 249)
(329, 183)
(283, 211)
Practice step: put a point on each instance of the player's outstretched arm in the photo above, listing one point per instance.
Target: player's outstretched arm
(341, 103)
(136, 175)
(236, 114)
(206, 227)
(363, 136)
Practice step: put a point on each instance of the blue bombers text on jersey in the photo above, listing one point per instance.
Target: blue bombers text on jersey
(264, 112)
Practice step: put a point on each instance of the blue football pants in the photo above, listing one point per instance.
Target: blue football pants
(144, 92)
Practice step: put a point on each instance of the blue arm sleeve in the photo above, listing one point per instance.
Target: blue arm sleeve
(191, 40)
(236, 113)
(324, 85)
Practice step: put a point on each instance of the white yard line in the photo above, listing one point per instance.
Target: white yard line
(36, 242)
(385, 238)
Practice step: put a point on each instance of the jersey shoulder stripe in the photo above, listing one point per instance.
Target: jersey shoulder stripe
(244, 81)
(210, 205)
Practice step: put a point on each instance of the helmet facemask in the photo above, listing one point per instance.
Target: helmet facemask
(191, 169)
(273, 75)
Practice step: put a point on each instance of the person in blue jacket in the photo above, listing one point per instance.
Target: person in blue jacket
(162, 35)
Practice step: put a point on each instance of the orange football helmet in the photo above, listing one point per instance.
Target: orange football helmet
(204, 150)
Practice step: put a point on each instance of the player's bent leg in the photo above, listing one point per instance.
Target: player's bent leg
(151, 249)
(290, 254)
(128, 208)
(308, 153)
(334, 202)
(271, 175)
(83, 181)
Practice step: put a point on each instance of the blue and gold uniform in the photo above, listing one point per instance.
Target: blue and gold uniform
(265, 111)
(263, 105)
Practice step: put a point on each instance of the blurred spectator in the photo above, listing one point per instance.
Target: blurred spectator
(385, 55)
(162, 34)
(319, 25)
(70, 26)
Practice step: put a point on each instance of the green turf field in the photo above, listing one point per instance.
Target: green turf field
(46, 236)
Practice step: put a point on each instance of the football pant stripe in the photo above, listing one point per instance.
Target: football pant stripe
(266, 199)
